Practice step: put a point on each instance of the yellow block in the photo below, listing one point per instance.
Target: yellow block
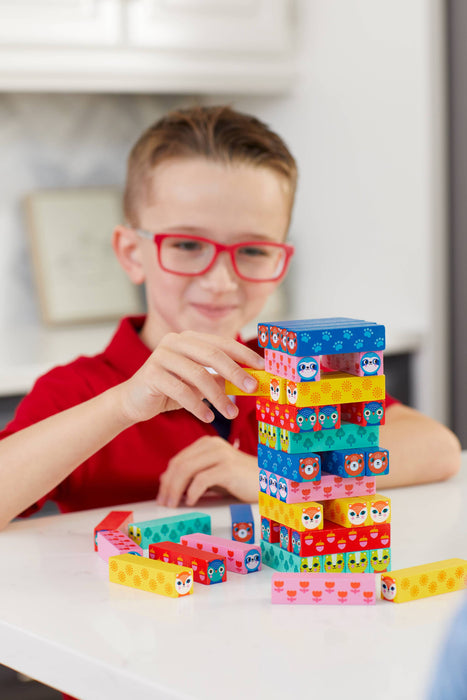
(299, 516)
(426, 580)
(151, 575)
(262, 389)
(337, 387)
(356, 511)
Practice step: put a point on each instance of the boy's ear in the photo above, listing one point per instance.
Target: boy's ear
(126, 245)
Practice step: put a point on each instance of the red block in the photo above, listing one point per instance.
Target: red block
(334, 538)
(115, 520)
(207, 569)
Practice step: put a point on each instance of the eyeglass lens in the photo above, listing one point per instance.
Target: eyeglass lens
(258, 261)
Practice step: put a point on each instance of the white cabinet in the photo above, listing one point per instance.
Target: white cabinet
(147, 45)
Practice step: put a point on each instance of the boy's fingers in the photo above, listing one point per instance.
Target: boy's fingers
(220, 354)
(181, 471)
(202, 482)
(185, 395)
(191, 374)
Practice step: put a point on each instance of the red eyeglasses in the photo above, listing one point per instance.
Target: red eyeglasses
(254, 261)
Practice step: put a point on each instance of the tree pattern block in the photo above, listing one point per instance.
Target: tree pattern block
(365, 561)
(328, 487)
(327, 588)
(151, 575)
(425, 580)
(170, 528)
(207, 569)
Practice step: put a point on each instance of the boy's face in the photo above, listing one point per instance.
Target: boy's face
(226, 203)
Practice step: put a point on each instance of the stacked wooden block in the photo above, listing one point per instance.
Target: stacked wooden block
(320, 403)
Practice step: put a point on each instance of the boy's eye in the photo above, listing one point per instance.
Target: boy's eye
(254, 251)
(187, 245)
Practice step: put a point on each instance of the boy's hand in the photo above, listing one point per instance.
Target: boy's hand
(208, 462)
(175, 376)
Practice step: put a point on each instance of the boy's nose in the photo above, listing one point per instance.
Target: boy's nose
(221, 277)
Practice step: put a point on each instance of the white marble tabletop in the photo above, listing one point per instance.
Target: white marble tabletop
(63, 623)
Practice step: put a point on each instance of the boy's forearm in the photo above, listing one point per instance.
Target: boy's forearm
(34, 460)
(421, 450)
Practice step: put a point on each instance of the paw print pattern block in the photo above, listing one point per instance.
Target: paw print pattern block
(322, 336)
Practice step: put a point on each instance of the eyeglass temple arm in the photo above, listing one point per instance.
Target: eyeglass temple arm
(144, 234)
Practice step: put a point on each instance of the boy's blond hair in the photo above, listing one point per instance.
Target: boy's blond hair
(219, 134)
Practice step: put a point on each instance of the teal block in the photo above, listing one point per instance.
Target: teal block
(281, 560)
(349, 435)
(171, 528)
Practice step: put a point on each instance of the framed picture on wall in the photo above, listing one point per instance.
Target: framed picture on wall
(77, 275)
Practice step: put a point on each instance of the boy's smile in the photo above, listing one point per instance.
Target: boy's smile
(227, 203)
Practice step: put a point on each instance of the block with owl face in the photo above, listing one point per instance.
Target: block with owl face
(207, 568)
(297, 369)
(364, 412)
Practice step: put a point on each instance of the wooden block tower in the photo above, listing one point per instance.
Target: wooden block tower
(319, 408)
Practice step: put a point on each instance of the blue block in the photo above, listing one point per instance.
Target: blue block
(344, 463)
(326, 336)
(376, 461)
(243, 524)
(291, 466)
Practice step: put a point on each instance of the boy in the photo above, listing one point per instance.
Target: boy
(208, 202)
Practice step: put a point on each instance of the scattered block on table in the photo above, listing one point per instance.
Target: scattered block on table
(115, 520)
(364, 412)
(261, 376)
(297, 369)
(170, 528)
(358, 511)
(344, 463)
(425, 580)
(243, 524)
(380, 560)
(322, 336)
(151, 575)
(336, 538)
(328, 487)
(207, 569)
(113, 542)
(335, 388)
(323, 589)
(240, 557)
(361, 364)
(299, 516)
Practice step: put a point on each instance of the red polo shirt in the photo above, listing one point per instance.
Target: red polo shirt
(127, 469)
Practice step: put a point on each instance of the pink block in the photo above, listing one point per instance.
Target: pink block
(354, 363)
(323, 589)
(330, 486)
(283, 365)
(113, 542)
(240, 557)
